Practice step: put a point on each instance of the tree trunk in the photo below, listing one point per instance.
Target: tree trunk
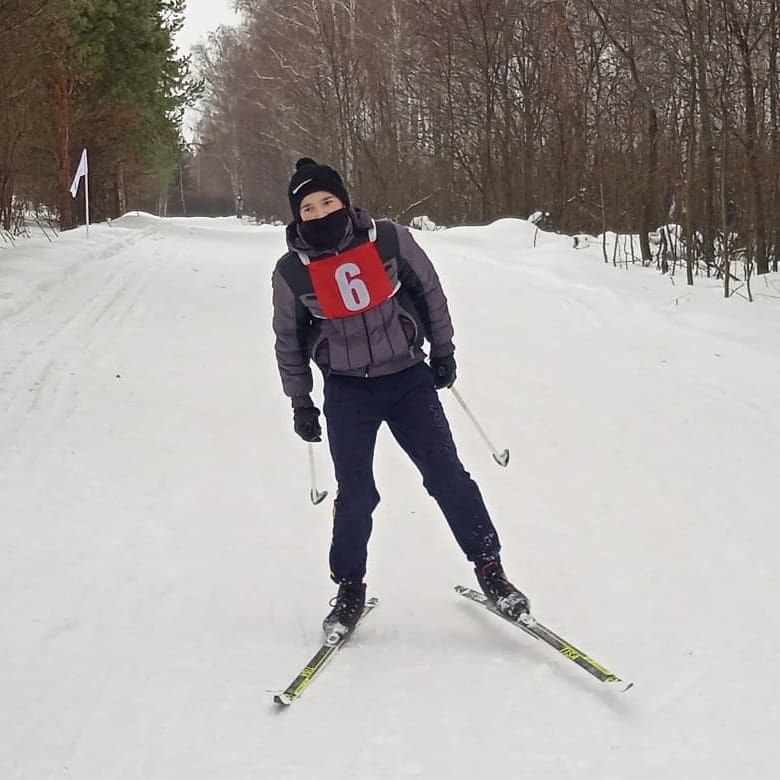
(707, 140)
(650, 196)
(774, 117)
(61, 129)
(751, 140)
(121, 191)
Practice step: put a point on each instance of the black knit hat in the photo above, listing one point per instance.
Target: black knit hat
(310, 177)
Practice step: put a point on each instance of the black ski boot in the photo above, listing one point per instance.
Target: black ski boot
(347, 609)
(504, 596)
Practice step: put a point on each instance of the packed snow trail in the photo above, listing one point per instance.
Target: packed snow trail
(162, 568)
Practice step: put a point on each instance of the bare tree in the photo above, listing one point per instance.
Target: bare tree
(607, 114)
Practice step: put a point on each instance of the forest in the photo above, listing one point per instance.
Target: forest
(101, 75)
(601, 115)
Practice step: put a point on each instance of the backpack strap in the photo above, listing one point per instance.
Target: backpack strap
(386, 239)
(296, 274)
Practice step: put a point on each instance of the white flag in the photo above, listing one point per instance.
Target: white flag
(82, 170)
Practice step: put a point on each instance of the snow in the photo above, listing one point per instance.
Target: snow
(162, 567)
(423, 223)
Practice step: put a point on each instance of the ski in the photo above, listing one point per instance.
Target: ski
(532, 626)
(312, 669)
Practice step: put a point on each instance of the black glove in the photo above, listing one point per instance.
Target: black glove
(307, 424)
(444, 372)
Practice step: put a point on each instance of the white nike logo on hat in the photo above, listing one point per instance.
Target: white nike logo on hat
(308, 181)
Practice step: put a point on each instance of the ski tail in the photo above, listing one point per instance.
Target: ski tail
(584, 661)
(296, 688)
(532, 626)
(318, 662)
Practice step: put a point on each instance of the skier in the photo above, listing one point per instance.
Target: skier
(358, 298)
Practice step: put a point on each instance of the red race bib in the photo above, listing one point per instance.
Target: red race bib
(351, 282)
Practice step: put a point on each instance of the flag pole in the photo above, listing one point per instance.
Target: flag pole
(86, 199)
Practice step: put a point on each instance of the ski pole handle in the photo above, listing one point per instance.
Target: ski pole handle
(501, 458)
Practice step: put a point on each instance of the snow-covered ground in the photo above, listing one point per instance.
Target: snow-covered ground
(162, 568)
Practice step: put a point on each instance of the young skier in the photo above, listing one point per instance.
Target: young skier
(358, 298)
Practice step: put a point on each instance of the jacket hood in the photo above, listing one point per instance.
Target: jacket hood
(358, 220)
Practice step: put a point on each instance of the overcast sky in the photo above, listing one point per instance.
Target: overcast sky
(202, 17)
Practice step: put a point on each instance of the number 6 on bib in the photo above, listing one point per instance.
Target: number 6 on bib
(350, 282)
(353, 289)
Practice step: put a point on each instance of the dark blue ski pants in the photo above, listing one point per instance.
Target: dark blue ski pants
(355, 407)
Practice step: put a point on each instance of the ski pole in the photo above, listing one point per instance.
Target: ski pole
(316, 496)
(503, 458)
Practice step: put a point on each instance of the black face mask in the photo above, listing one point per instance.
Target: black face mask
(326, 232)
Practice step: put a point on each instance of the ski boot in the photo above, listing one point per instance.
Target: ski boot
(347, 609)
(501, 593)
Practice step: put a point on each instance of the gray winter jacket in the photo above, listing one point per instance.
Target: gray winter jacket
(380, 341)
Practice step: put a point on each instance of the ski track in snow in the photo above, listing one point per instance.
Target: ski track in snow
(162, 570)
(90, 308)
